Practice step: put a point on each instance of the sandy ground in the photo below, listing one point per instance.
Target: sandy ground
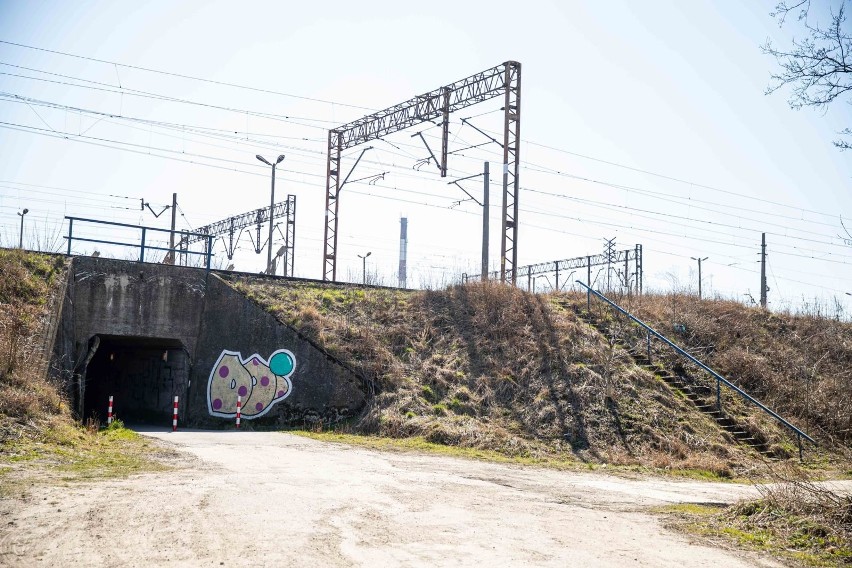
(274, 499)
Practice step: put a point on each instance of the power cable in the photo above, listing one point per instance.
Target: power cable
(182, 76)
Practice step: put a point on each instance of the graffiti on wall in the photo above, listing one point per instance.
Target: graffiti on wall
(259, 382)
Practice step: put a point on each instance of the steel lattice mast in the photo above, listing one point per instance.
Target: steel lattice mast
(232, 225)
(502, 80)
(564, 266)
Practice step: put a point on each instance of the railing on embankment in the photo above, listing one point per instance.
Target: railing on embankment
(141, 245)
(720, 380)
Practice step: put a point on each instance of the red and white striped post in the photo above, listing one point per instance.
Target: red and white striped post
(109, 411)
(239, 406)
(174, 416)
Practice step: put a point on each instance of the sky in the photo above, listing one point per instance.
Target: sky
(644, 123)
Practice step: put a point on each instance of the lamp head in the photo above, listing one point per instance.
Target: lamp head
(280, 159)
(262, 159)
(25, 211)
(368, 254)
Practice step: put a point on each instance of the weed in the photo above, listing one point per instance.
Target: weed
(439, 409)
(427, 392)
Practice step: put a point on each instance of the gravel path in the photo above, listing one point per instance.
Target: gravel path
(274, 499)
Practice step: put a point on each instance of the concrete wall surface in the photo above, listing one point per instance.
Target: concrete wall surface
(234, 349)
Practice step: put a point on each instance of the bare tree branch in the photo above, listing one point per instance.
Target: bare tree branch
(817, 68)
(782, 10)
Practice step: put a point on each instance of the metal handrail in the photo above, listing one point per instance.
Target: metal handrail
(142, 246)
(719, 378)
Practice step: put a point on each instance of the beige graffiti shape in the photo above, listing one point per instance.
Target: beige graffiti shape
(259, 383)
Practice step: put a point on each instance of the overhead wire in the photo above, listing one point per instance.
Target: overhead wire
(643, 171)
(184, 76)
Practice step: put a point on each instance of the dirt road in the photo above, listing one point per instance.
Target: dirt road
(273, 499)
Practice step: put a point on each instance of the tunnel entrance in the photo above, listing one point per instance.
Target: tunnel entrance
(142, 374)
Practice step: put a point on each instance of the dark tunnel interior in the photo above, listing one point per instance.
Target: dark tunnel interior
(142, 374)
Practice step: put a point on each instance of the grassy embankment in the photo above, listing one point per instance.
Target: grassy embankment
(490, 367)
(39, 437)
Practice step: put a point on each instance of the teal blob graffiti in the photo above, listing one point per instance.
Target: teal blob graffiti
(281, 364)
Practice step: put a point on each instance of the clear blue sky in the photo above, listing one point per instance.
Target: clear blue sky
(671, 88)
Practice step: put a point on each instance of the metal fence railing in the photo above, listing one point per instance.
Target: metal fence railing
(720, 380)
(141, 244)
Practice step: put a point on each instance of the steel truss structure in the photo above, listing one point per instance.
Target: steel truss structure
(503, 80)
(610, 259)
(237, 224)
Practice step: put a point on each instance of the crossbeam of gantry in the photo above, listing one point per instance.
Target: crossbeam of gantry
(617, 258)
(503, 80)
(234, 225)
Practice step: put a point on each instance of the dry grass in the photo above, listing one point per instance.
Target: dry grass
(26, 280)
(795, 519)
(799, 365)
(39, 438)
(492, 367)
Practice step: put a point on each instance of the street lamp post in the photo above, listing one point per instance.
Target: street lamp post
(699, 259)
(269, 266)
(364, 267)
(21, 242)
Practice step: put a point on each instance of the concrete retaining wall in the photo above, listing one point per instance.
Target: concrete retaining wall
(214, 324)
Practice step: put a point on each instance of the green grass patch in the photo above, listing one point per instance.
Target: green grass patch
(420, 444)
(66, 452)
(692, 509)
(561, 462)
(760, 525)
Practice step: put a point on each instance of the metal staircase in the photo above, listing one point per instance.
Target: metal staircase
(704, 398)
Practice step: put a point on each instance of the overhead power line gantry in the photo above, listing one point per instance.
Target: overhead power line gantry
(238, 223)
(631, 280)
(503, 80)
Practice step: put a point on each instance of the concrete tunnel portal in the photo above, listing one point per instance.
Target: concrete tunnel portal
(142, 374)
(145, 333)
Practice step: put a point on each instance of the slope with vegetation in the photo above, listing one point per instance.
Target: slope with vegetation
(493, 367)
(37, 430)
(799, 365)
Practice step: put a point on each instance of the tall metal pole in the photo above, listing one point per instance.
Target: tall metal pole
(270, 268)
(172, 233)
(21, 242)
(608, 270)
(589, 271)
(763, 288)
(639, 269)
(485, 210)
(588, 283)
(364, 267)
(699, 259)
(505, 209)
